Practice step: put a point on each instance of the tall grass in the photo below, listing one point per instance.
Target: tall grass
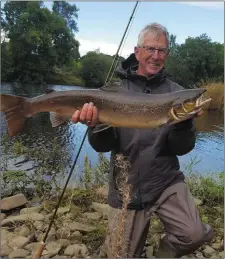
(215, 90)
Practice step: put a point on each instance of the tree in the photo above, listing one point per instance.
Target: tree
(69, 12)
(195, 60)
(94, 68)
(39, 40)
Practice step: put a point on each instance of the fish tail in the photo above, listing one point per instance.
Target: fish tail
(16, 109)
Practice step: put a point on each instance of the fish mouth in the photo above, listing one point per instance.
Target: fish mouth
(187, 109)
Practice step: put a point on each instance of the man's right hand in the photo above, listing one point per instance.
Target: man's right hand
(87, 115)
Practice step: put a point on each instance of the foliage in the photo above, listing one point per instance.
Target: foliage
(39, 40)
(197, 59)
(95, 67)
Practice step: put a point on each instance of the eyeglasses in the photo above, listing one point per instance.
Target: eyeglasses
(151, 50)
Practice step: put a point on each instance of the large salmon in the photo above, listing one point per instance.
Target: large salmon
(116, 108)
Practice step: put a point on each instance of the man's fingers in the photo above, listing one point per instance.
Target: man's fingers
(83, 113)
(94, 116)
(89, 113)
(75, 116)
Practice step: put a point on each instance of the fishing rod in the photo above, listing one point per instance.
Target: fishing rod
(40, 249)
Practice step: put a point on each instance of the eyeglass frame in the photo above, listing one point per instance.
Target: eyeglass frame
(165, 50)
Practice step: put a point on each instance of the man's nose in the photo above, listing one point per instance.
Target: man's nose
(155, 54)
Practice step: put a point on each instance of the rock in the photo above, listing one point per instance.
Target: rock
(12, 202)
(63, 210)
(24, 231)
(101, 207)
(76, 235)
(18, 242)
(197, 201)
(60, 257)
(64, 242)
(208, 251)
(78, 250)
(36, 209)
(53, 248)
(5, 250)
(93, 216)
(63, 232)
(216, 246)
(32, 246)
(149, 251)
(39, 225)
(81, 227)
(221, 254)
(2, 216)
(19, 253)
(199, 255)
(23, 218)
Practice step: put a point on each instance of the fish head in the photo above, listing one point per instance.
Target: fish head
(187, 104)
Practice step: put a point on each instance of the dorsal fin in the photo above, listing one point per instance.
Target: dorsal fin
(115, 86)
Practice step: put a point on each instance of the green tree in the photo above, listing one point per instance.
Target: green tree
(39, 40)
(94, 68)
(195, 60)
(69, 12)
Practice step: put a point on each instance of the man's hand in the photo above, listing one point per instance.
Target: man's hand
(88, 115)
(199, 113)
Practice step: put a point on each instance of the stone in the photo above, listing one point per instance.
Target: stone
(101, 207)
(23, 218)
(63, 232)
(75, 236)
(13, 202)
(5, 250)
(64, 242)
(197, 201)
(221, 254)
(53, 248)
(216, 246)
(93, 216)
(208, 251)
(32, 246)
(24, 231)
(78, 250)
(18, 242)
(36, 209)
(81, 227)
(2, 216)
(199, 255)
(19, 253)
(39, 225)
(149, 251)
(63, 210)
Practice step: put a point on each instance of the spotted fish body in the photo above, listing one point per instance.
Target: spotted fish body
(116, 108)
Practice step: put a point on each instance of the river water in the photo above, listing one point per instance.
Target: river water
(206, 157)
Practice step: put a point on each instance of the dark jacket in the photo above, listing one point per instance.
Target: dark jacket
(151, 152)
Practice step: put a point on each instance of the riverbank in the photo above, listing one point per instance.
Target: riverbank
(81, 224)
(80, 227)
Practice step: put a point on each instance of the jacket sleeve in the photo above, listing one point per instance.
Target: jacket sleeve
(182, 137)
(103, 141)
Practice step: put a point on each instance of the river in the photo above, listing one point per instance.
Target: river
(206, 157)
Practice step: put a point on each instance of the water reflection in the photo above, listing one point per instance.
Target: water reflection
(209, 148)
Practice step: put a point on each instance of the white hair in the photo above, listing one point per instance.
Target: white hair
(152, 28)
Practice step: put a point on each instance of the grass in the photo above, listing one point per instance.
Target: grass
(215, 90)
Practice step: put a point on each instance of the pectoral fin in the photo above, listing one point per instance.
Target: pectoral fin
(58, 119)
(100, 127)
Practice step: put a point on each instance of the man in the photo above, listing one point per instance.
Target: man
(157, 183)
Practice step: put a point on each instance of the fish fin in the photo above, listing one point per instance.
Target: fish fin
(57, 119)
(116, 87)
(101, 127)
(16, 110)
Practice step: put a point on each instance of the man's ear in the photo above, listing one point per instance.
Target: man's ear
(137, 52)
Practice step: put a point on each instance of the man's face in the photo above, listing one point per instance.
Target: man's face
(151, 61)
